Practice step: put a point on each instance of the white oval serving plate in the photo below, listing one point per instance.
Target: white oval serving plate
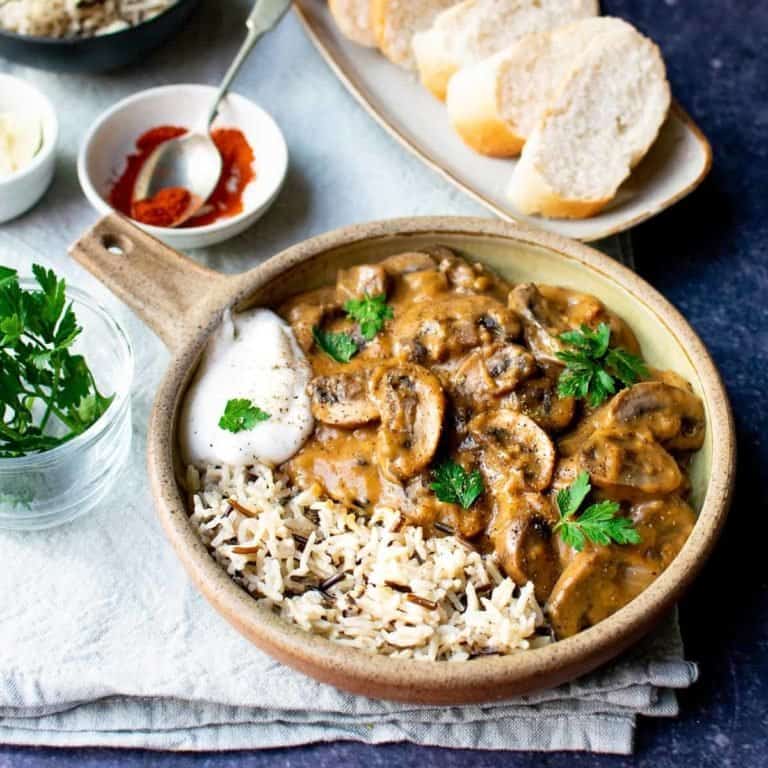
(676, 164)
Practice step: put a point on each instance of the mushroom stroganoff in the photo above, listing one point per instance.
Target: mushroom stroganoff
(491, 466)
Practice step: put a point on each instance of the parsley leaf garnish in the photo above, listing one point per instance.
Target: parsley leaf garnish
(340, 347)
(48, 395)
(454, 485)
(595, 370)
(240, 415)
(370, 312)
(598, 523)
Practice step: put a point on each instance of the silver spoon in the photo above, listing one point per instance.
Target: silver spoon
(192, 161)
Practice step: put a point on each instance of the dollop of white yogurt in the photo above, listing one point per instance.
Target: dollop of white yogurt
(253, 355)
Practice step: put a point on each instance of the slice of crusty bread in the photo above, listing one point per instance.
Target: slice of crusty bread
(475, 29)
(395, 22)
(606, 114)
(353, 18)
(494, 104)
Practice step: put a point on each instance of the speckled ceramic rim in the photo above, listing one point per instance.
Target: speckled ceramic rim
(478, 680)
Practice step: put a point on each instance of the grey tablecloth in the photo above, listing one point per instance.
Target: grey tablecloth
(102, 638)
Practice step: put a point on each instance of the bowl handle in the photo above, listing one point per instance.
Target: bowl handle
(170, 292)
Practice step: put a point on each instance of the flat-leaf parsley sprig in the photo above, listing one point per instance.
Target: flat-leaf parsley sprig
(48, 395)
(598, 523)
(241, 415)
(454, 485)
(370, 312)
(594, 370)
(340, 347)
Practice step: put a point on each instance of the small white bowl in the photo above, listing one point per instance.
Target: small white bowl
(21, 190)
(113, 138)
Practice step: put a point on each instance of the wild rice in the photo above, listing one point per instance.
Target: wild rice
(364, 581)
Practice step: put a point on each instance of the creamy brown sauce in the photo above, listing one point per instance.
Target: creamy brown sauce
(467, 369)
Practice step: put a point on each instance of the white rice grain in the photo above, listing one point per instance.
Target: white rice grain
(372, 583)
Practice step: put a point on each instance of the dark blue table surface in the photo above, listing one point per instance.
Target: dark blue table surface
(709, 255)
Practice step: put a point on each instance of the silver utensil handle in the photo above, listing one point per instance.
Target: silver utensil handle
(264, 16)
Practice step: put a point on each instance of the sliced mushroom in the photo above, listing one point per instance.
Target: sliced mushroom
(516, 454)
(356, 282)
(411, 404)
(420, 287)
(405, 263)
(572, 443)
(538, 398)
(591, 587)
(466, 277)
(522, 535)
(664, 526)
(674, 416)
(508, 365)
(342, 399)
(566, 471)
(627, 462)
(601, 580)
(493, 371)
(576, 309)
(307, 310)
(547, 311)
(459, 272)
(671, 414)
(539, 328)
(447, 327)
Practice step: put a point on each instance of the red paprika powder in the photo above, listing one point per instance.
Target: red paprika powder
(236, 174)
(168, 204)
(121, 195)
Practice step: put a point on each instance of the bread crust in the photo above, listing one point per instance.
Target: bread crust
(378, 19)
(435, 69)
(380, 13)
(532, 197)
(473, 108)
(350, 28)
(531, 194)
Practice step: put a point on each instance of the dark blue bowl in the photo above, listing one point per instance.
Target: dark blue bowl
(100, 53)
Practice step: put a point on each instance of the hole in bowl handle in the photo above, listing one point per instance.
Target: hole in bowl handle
(170, 292)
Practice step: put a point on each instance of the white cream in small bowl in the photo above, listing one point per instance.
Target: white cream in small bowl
(28, 133)
(254, 357)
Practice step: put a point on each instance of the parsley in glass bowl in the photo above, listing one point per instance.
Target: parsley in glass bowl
(65, 374)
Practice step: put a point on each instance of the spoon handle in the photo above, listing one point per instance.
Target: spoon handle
(264, 16)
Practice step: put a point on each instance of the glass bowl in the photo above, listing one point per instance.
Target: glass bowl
(47, 489)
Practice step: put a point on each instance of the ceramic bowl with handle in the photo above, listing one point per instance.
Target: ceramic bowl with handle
(183, 302)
